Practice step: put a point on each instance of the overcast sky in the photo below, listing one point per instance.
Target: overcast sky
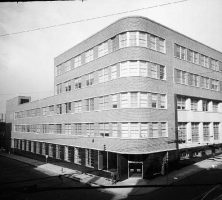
(27, 59)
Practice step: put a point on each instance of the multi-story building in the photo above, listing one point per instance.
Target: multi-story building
(124, 98)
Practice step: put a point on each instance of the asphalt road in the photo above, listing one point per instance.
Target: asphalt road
(20, 181)
(192, 191)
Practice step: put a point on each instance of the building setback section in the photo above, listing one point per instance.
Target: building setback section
(123, 99)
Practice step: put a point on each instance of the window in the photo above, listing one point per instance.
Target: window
(162, 101)
(89, 56)
(114, 101)
(114, 130)
(134, 130)
(90, 129)
(181, 101)
(205, 105)
(155, 129)
(182, 53)
(144, 130)
(161, 45)
(142, 39)
(77, 83)
(68, 129)
(143, 100)
(104, 102)
(202, 60)
(154, 70)
(216, 130)
(215, 106)
(133, 99)
(163, 131)
(214, 85)
(104, 129)
(206, 132)
(143, 68)
(132, 38)
(68, 107)
(77, 106)
(182, 131)
(90, 104)
(58, 70)
(124, 100)
(154, 100)
(78, 129)
(124, 69)
(77, 158)
(162, 72)
(122, 40)
(43, 148)
(37, 148)
(190, 55)
(103, 75)
(89, 79)
(51, 110)
(196, 58)
(77, 61)
(50, 150)
(67, 86)
(152, 42)
(177, 51)
(133, 69)
(58, 128)
(67, 66)
(194, 103)
(195, 132)
(59, 109)
(113, 72)
(59, 88)
(103, 49)
(44, 110)
(89, 157)
(125, 130)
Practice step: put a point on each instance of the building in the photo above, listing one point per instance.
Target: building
(124, 100)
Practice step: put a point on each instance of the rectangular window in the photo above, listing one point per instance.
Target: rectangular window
(124, 100)
(89, 157)
(89, 79)
(162, 101)
(78, 129)
(194, 103)
(103, 75)
(155, 129)
(143, 100)
(59, 88)
(215, 106)
(134, 130)
(143, 70)
(122, 40)
(114, 130)
(154, 100)
(114, 101)
(113, 72)
(163, 131)
(44, 110)
(183, 53)
(152, 42)
(68, 129)
(181, 103)
(89, 56)
(43, 149)
(196, 58)
(104, 129)
(125, 130)
(144, 130)
(77, 106)
(161, 45)
(77, 61)
(190, 55)
(184, 77)
(195, 132)
(205, 105)
(142, 39)
(77, 83)
(90, 104)
(68, 107)
(133, 68)
(132, 38)
(162, 72)
(177, 51)
(124, 69)
(104, 102)
(67, 86)
(59, 109)
(178, 76)
(214, 85)
(154, 70)
(182, 131)
(58, 128)
(77, 157)
(133, 99)
(90, 129)
(103, 49)
(216, 130)
(206, 132)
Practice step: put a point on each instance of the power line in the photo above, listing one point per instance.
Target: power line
(93, 18)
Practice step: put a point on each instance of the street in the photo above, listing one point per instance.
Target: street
(21, 181)
(192, 192)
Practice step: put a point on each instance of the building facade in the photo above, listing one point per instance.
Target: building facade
(124, 98)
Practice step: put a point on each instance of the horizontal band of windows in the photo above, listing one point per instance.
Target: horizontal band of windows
(127, 39)
(122, 130)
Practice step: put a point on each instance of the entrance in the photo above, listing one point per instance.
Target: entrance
(135, 169)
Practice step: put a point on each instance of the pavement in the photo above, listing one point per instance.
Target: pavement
(120, 189)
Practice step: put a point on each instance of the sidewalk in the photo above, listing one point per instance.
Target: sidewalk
(177, 175)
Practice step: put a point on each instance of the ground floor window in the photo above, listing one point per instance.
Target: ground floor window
(206, 131)
(89, 157)
(32, 147)
(195, 132)
(23, 145)
(182, 131)
(66, 157)
(77, 158)
(216, 130)
(43, 149)
(37, 147)
(50, 150)
(27, 145)
(57, 151)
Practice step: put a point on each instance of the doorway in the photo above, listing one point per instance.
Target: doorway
(135, 169)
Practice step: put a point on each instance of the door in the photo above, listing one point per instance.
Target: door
(135, 169)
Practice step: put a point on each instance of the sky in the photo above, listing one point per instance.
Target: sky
(27, 59)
